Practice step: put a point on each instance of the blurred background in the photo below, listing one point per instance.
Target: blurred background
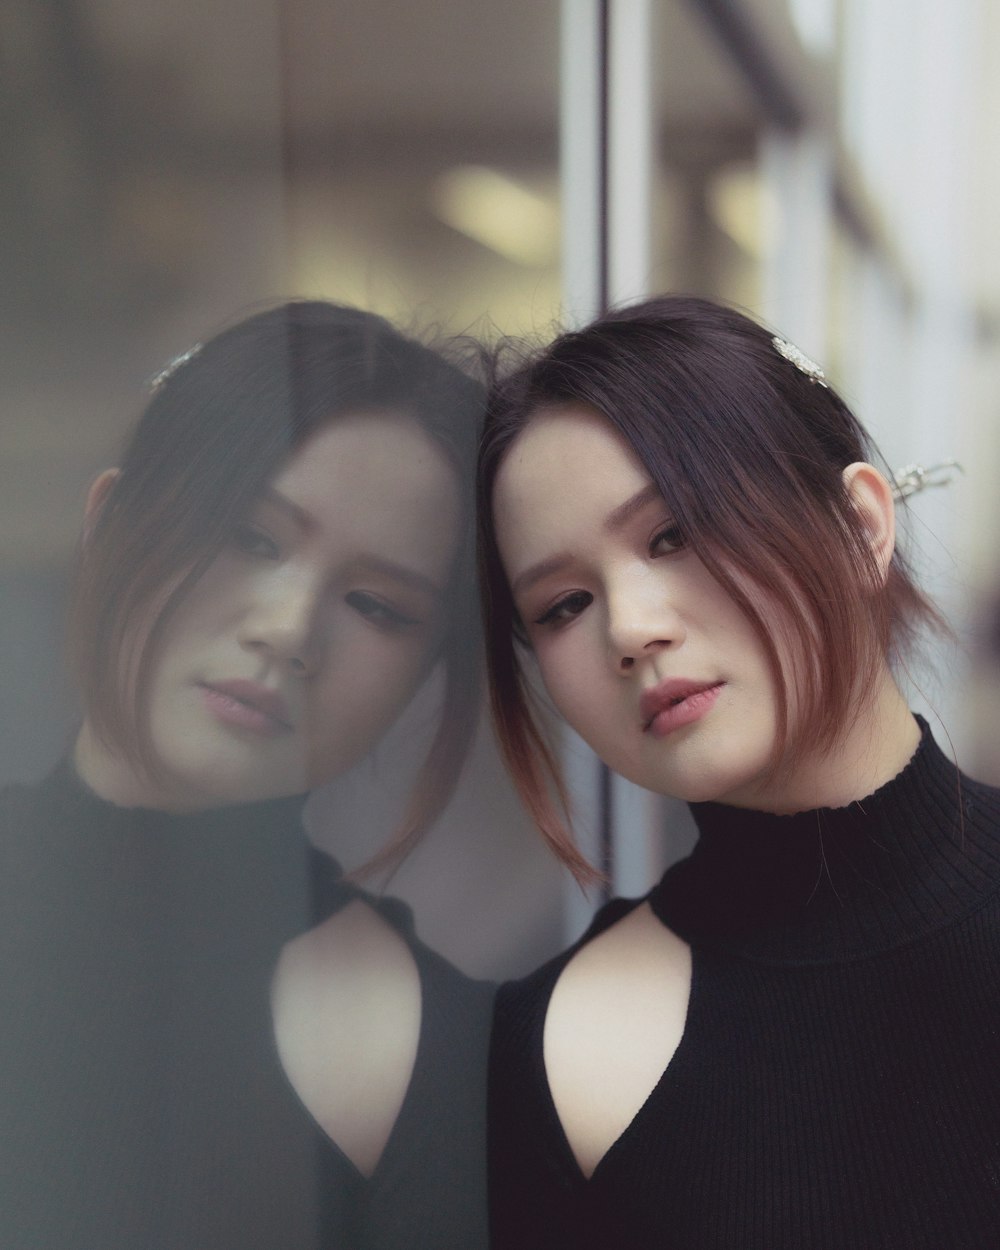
(498, 168)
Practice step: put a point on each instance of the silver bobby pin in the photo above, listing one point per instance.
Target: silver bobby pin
(799, 359)
(168, 370)
(913, 478)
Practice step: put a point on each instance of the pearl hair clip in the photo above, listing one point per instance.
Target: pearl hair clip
(907, 481)
(159, 379)
(913, 478)
(799, 359)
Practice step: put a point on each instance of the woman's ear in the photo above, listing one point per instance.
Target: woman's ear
(871, 495)
(99, 490)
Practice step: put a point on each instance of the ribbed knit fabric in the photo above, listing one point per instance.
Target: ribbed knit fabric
(837, 1086)
(142, 1102)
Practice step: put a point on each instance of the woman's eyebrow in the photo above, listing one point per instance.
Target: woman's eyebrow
(402, 573)
(375, 564)
(626, 511)
(300, 516)
(537, 572)
(615, 519)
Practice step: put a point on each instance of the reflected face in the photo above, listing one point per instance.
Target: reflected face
(312, 629)
(641, 650)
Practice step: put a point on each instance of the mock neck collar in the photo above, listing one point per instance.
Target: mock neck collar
(68, 793)
(839, 883)
(248, 869)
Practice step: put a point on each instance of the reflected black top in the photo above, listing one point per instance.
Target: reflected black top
(142, 1101)
(837, 1082)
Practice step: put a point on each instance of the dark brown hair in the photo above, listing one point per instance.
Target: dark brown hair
(218, 426)
(749, 452)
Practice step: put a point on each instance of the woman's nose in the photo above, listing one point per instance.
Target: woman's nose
(642, 621)
(283, 626)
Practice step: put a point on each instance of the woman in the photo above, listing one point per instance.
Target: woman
(208, 1039)
(794, 1039)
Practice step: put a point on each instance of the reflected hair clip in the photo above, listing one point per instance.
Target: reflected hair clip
(799, 359)
(913, 478)
(158, 380)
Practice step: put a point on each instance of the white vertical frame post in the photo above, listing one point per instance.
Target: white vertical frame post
(606, 143)
(637, 816)
(873, 78)
(942, 329)
(797, 170)
(915, 360)
(630, 149)
(582, 156)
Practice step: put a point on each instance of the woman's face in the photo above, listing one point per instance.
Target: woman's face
(639, 647)
(309, 633)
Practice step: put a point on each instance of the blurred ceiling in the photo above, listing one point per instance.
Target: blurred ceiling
(118, 111)
(171, 163)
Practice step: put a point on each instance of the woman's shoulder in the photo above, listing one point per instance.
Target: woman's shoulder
(28, 809)
(587, 1036)
(979, 799)
(374, 1028)
(21, 799)
(385, 915)
(525, 1000)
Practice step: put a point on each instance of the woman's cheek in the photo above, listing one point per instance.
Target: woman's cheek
(568, 674)
(372, 675)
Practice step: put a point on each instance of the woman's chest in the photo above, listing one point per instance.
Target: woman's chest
(833, 1106)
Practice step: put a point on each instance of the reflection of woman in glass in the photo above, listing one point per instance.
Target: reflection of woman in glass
(193, 1003)
(794, 1039)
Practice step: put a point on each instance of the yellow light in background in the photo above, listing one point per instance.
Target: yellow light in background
(816, 22)
(499, 213)
(743, 208)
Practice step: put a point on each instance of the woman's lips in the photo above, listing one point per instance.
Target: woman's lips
(676, 702)
(247, 705)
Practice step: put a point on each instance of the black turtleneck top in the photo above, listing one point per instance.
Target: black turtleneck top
(142, 1102)
(837, 1085)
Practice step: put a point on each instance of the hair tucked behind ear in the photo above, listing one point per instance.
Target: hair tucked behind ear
(749, 450)
(220, 424)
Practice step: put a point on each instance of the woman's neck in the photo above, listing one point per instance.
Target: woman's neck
(874, 749)
(115, 779)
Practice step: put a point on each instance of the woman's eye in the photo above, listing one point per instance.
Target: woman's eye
(379, 611)
(666, 540)
(255, 542)
(566, 608)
